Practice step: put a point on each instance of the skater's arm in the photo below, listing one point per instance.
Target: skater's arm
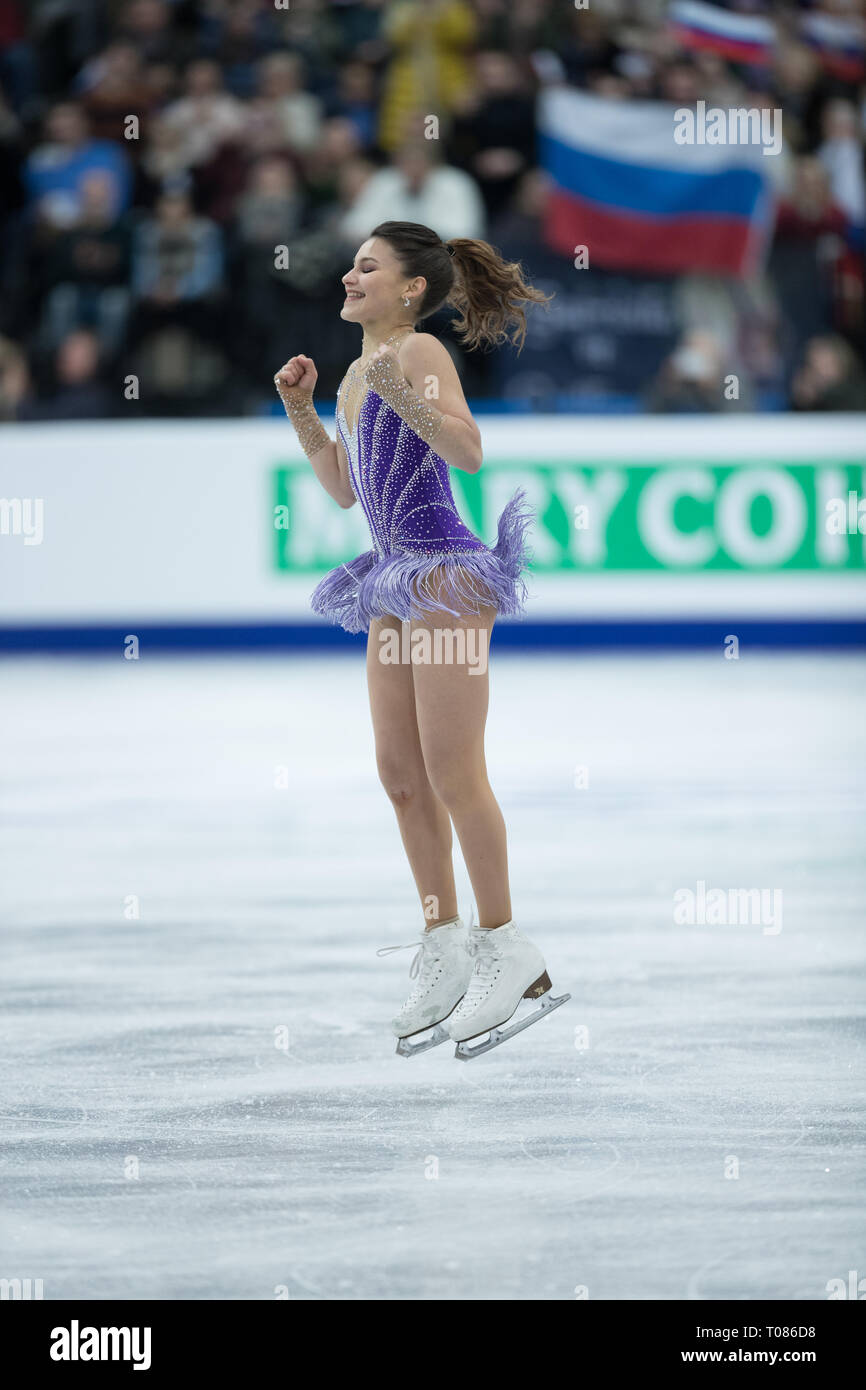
(294, 383)
(422, 385)
(331, 468)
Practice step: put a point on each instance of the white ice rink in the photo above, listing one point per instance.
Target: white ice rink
(159, 1143)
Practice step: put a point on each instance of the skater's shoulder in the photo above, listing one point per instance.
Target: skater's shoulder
(422, 343)
(423, 350)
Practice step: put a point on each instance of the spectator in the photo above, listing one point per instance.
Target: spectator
(18, 72)
(89, 268)
(337, 145)
(15, 387)
(177, 264)
(493, 22)
(795, 77)
(809, 238)
(841, 153)
(360, 24)
(206, 117)
(355, 174)
(237, 38)
(679, 83)
(163, 163)
(182, 341)
(692, 380)
(310, 29)
(272, 209)
(829, 378)
(267, 251)
(493, 136)
(113, 86)
(79, 394)
(415, 188)
(282, 116)
(519, 231)
(11, 146)
(719, 86)
(161, 83)
(56, 170)
(585, 45)
(429, 71)
(534, 23)
(355, 100)
(149, 26)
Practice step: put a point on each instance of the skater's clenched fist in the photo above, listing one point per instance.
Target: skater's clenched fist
(298, 374)
(384, 364)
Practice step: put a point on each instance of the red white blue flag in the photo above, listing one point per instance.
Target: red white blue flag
(639, 200)
(741, 38)
(839, 42)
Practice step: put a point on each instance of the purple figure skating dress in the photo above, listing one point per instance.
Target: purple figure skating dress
(418, 536)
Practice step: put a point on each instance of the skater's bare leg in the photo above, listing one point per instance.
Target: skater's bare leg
(451, 705)
(423, 820)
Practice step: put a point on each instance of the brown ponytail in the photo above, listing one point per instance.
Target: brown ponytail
(488, 292)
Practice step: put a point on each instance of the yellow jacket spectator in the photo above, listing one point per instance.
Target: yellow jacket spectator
(430, 68)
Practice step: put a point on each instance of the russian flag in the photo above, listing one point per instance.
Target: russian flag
(742, 38)
(639, 201)
(840, 44)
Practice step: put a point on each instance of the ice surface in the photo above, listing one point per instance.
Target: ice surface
(335, 1169)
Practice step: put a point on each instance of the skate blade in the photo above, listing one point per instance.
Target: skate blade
(546, 1004)
(407, 1048)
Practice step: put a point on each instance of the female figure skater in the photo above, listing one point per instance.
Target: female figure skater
(402, 422)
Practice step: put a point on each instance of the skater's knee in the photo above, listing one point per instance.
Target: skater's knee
(401, 793)
(399, 779)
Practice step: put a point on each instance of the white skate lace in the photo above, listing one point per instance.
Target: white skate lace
(416, 959)
(484, 971)
(425, 958)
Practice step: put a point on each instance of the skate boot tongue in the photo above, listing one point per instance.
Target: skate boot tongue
(491, 939)
(486, 951)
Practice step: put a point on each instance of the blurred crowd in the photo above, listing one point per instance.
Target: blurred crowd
(183, 182)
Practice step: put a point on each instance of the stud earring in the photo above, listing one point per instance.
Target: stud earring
(406, 300)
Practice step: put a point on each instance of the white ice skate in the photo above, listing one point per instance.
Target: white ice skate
(507, 969)
(442, 967)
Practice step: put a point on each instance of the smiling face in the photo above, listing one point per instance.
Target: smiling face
(376, 285)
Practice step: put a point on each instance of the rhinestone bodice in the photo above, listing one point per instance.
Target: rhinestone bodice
(402, 486)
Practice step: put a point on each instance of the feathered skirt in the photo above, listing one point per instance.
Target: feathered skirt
(422, 584)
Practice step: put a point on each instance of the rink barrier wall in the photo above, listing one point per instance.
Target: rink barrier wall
(211, 536)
